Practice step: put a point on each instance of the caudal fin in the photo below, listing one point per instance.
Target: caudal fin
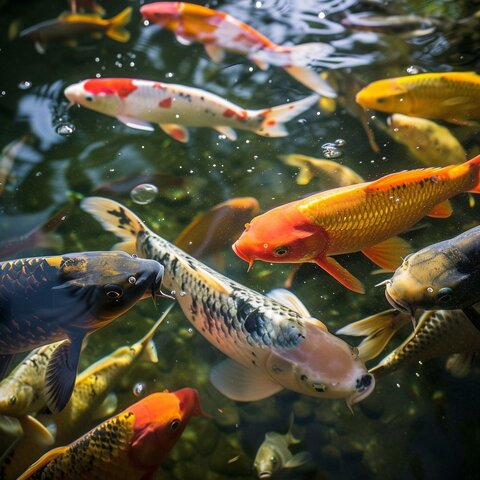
(116, 31)
(378, 329)
(475, 163)
(276, 117)
(116, 218)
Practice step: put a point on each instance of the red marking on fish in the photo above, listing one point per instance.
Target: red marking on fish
(242, 116)
(158, 86)
(122, 87)
(177, 134)
(165, 103)
(271, 122)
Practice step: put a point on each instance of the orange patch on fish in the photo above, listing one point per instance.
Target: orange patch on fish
(165, 103)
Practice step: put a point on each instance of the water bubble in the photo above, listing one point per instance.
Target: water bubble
(25, 85)
(414, 69)
(302, 121)
(330, 150)
(144, 193)
(64, 129)
(340, 142)
(139, 389)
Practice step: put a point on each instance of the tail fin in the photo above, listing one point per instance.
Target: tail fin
(378, 329)
(475, 161)
(312, 80)
(116, 30)
(118, 219)
(275, 117)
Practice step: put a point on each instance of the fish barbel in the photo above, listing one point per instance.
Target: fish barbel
(131, 445)
(364, 217)
(270, 346)
(450, 96)
(47, 299)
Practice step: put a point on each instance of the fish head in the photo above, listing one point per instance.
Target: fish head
(387, 95)
(281, 235)
(104, 285)
(160, 420)
(267, 460)
(165, 14)
(103, 95)
(430, 279)
(321, 365)
(15, 397)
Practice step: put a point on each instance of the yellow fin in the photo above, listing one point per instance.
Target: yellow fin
(442, 210)
(129, 246)
(116, 30)
(40, 463)
(207, 278)
(389, 253)
(340, 274)
(36, 431)
(378, 329)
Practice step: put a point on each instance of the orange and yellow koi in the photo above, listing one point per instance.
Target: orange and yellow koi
(132, 444)
(220, 32)
(450, 96)
(364, 217)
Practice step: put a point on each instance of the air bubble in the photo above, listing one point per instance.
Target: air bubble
(139, 389)
(330, 150)
(340, 142)
(144, 193)
(64, 129)
(25, 85)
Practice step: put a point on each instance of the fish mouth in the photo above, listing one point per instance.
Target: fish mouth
(265, 475)
(398, 304)
(366, 387)
(242, 255)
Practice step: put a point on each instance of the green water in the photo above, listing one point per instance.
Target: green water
(420, 422)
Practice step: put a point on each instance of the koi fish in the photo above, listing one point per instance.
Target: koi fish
(441, 276)
(427, 141)
(7, 159)
(209, 232)
(220, 33)
(47, 299)
(331, 173)
(21, 393)
(437, 334)
(132, 444)
(450, 96)
(274, 454)
(363, 217)
(270, 346)
(90, 400)
(139, 103)
(70, 25)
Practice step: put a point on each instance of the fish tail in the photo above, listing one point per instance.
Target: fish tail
(116, 31)
(312, 80)
(118, 219)
(475, 163)
(276, 117)
(378, 329)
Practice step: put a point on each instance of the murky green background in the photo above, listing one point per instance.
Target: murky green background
(420, 422)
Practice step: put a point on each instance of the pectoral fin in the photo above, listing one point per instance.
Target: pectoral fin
(289, 300)
(340, 274)
(460, 364)
(389, 253)
(106, 408)
(442, 210)
(39, 464)
(241, 383)
(216, 53)
(61, 374)
(5, 361)
(36, 431)
(135, 123)
(298, 460)
(177, 132)
(227, 131)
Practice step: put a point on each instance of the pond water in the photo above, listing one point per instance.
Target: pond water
(420, 422)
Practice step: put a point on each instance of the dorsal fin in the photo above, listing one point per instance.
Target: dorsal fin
(42, 462)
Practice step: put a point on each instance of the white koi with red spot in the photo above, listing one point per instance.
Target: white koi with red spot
(141, 103)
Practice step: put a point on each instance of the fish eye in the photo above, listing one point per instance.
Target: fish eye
(381, 99)
(444, 295)
(12, 400)
(113, 291)
(132, 280)
(89, 98)
(273, 460)
(280, 251)
(175, 424)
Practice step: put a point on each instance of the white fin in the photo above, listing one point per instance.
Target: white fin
(40, 48)
(10, 426)
(183, 40)
(106, 408)
(241, 383)
(227, 131)
(177, 132)
(289, 300)
(312, 80)
(291, 439)
(460, 364)
(298, 460)
(216, 53)
(135, 123)
(36, 431)
(276, 117)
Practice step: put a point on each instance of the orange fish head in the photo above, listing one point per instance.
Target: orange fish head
(384, 95)
(165, 14)
(281, 235)
(160, 420)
